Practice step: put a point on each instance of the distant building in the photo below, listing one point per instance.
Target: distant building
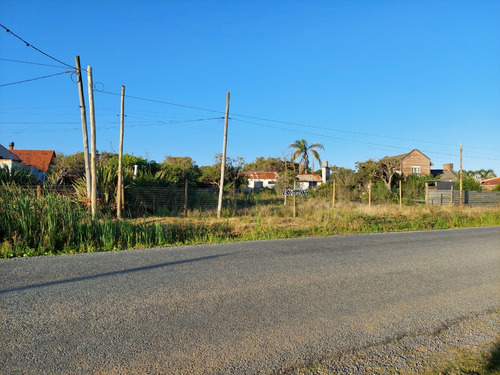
(259, 180)
(446, 177)
(414, 162)
(308, 180)
(490, 183)
(8, 159)
(38, 160)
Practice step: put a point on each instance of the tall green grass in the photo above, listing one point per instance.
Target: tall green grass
(56, 224)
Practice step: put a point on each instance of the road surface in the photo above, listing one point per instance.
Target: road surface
(239, 308)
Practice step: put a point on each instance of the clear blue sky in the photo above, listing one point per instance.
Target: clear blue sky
(365, 78)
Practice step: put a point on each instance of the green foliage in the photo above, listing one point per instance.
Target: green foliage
(468, 183)
(210, 175)
(18, 175)
(414, 187)
(366, 171)
(302, 149)
(265, 165)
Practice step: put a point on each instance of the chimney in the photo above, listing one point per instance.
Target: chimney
(325, 172)
(448, 167)
(11, 146)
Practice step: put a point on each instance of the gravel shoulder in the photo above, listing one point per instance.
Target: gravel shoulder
(463, 347)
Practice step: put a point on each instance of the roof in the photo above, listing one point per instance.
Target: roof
(404, 156)
(310, 177)
(261, 175)
(491, 181)
(6, 154)
(40, 159)
(445, 174)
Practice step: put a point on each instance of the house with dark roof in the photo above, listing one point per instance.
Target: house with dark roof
(413, 162)
(8, 159)
(38, 160)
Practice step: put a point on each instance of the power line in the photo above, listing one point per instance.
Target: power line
(163, 102)
(37, 49)
(32, 63)
(34, 79)
(361, 142)
(233, 115)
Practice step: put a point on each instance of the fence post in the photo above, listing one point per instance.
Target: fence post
(186, 198)
(294, 199)
(38, 191)
(370, 193)
(451, 196)
(426, 193)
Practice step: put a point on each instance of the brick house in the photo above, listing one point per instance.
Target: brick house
(414, 162)
(38, 160)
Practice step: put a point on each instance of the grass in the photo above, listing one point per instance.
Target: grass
(55, 224)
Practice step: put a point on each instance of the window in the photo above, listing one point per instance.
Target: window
(415, 170)
(271, 182)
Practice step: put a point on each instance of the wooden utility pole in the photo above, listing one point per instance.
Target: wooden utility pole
(333, 193)
(461, 191)
(286, 181)
(294, 199)
(83, 112)
(223, 163)
(400, 195)
(186, 197)
(426, 193)
(93, 196)
(119, 193)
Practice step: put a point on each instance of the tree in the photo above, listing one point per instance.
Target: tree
(486, 173)
(210, 175)
(178, 169)
(386, 169)
(366, 171)
(302, 149)
(265, 165)
(468, 183)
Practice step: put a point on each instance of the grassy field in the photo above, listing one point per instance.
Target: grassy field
(55, 224)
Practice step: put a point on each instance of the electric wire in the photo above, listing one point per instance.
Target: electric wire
(31, 63)
(36, 49)
(34, 79)
(362, 142)
(233, 115)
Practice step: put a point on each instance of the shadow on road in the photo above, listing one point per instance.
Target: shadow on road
(107, 274)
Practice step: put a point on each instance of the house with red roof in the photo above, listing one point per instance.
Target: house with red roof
(38, 160)
(259, 180)
(490, 183)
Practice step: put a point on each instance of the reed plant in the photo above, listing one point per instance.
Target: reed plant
(57, 224)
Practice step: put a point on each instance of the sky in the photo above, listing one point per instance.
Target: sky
(366, 79)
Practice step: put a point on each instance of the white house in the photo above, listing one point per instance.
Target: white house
(259, 180)
(8, 159)
(308, 180)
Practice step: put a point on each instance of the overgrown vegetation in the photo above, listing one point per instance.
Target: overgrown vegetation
(56, 224)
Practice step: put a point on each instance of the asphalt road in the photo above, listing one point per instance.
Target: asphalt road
(239, 308)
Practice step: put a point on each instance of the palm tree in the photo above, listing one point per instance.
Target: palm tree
(486, 173)
(302, 149)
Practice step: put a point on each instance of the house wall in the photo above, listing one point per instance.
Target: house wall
(416, 159)
(265, 183)
(9, 163)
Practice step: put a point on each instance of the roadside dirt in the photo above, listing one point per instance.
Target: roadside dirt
(464, 347)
